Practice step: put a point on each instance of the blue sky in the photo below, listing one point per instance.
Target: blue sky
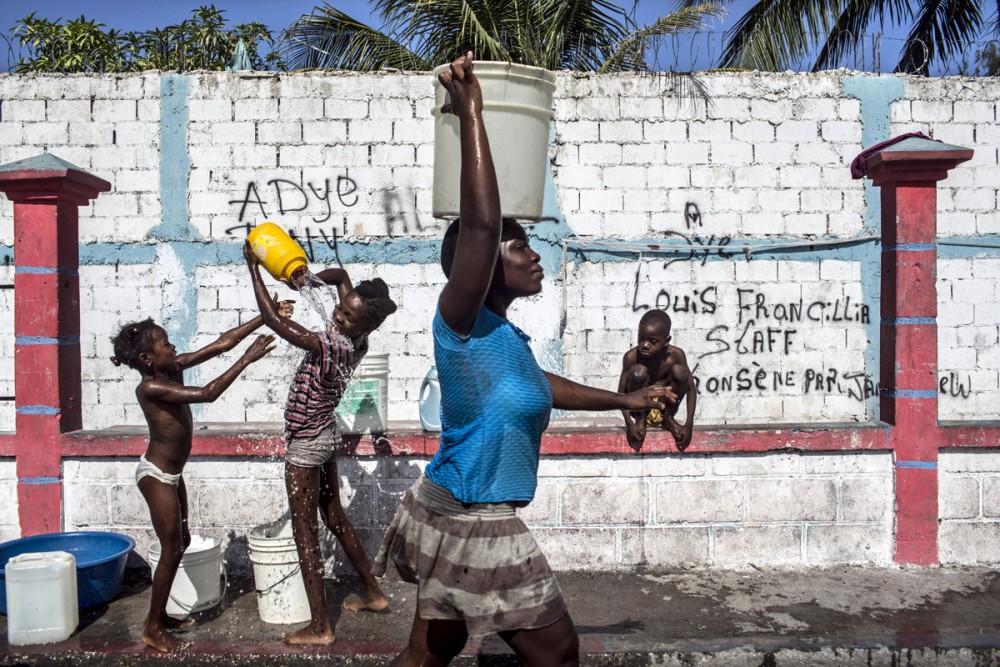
(130, 15)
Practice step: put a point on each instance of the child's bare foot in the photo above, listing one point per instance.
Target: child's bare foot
(172, 623)
(637, 434)
(370, 602)
(311, 634)
(162, 640)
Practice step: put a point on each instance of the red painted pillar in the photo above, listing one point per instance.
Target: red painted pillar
(46, 192)
(907, 173)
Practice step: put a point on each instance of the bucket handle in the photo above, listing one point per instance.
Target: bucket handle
(423, 385)
(291, 573)
(225, 587)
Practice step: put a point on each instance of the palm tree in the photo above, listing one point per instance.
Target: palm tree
(775, 34)
(420, 34)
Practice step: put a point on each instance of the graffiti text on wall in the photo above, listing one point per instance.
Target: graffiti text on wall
(290, 197)
(308, 239)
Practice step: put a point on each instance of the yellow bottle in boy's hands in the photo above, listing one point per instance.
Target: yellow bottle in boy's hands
(277, 251)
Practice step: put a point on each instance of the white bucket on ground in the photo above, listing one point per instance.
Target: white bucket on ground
(200, 580)
(42, 602)
(517, 112)
(281, 593)
(364, 407)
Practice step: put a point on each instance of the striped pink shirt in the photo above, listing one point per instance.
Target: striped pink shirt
(319, 385)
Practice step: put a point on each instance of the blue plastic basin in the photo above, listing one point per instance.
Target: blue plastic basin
(100, 562)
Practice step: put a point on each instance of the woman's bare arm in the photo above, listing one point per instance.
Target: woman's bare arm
(479, 207)
(569, 395)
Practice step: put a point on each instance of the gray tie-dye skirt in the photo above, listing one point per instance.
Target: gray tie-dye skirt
(475, 563)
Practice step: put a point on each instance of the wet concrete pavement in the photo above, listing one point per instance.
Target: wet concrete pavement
(769, 617)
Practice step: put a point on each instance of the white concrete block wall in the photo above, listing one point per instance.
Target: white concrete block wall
(968, 339)
(745, 161)
(766, 159)
(775, 509)
(351, 156)
(10, 526)
(227, 498)
(611, 512)
(968, 506)
(962, 112)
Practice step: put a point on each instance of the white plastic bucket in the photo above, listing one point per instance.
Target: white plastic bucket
(42, 605)
(517, 112)
(201, 579)
(281, 593)
(364, 407)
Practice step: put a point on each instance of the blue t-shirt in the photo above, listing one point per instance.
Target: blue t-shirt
(495, 404)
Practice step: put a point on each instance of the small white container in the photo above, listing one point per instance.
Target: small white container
(42, 605)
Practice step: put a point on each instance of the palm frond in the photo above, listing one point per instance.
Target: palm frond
(583, 33)
(630, 53)
(942, 29)
(774, 34)
(330, 39)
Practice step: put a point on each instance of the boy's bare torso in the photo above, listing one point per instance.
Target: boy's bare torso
(170, 428)
(664, 371)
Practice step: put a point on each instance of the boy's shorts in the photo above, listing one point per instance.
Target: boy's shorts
(312, 452)
(654, 418)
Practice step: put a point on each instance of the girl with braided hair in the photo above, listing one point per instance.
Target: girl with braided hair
(165, 401)
(311, 437)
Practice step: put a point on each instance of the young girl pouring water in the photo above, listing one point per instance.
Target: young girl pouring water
(311, 437)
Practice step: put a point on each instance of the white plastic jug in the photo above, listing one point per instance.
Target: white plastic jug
(430, 401)
(42, 606)
(200, 582)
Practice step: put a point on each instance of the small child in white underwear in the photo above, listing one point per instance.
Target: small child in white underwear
(165, 401)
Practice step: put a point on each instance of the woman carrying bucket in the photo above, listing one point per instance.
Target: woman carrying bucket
(457, 534)
(311, 478)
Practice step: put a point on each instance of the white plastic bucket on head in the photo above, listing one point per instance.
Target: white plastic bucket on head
(281, 593)
(42, 602)
(200, 581)
(517, 112)
(364, 407)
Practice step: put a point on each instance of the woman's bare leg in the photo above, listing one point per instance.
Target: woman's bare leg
(555, 645)
(432, 643)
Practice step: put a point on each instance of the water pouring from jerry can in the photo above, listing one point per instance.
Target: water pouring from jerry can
(285, 260)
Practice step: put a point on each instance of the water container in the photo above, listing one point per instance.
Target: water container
(281, 593)
(277, 251)
(364, 407)
(430, 401)
(41, 598)
(200, 580)
(517, 112)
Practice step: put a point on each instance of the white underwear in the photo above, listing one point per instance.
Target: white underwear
(147, 469)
